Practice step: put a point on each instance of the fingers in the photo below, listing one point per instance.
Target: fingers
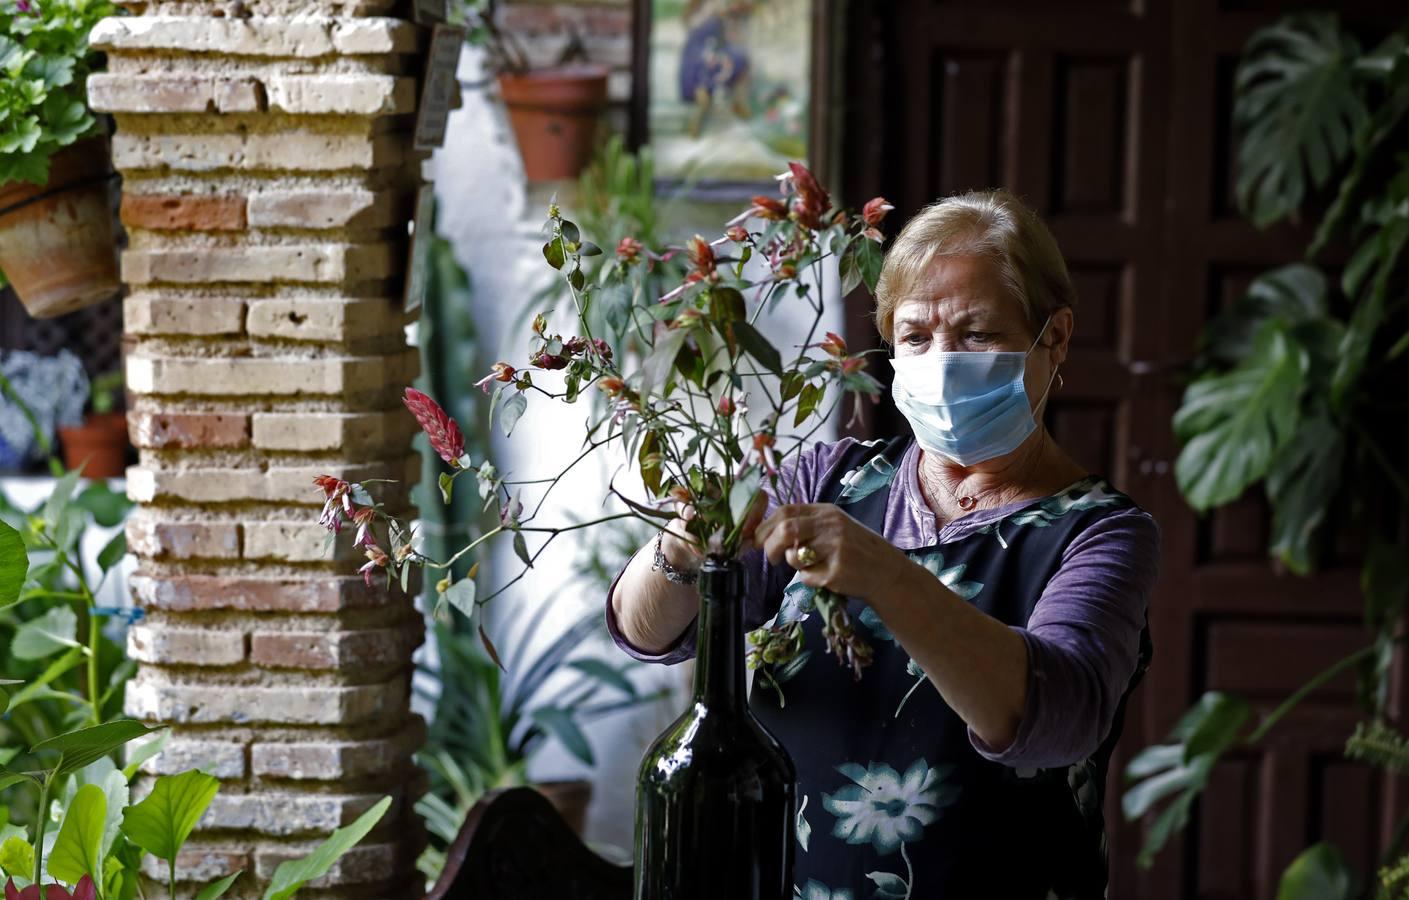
(789, 527)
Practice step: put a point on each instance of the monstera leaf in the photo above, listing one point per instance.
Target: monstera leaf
(1298, 109)
(1319, 873)
(1234, 423)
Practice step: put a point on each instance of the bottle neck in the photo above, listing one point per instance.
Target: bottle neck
(719, 663)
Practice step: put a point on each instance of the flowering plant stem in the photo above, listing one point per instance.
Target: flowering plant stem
(674, 376)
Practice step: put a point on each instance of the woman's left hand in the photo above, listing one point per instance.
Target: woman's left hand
(850, 558)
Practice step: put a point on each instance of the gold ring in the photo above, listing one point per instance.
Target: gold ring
(806, 557)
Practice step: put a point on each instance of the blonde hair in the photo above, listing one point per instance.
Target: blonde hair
(992, 224)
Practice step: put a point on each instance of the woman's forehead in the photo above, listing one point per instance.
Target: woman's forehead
(958, 288)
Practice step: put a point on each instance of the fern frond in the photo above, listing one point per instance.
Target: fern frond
(1380, 745)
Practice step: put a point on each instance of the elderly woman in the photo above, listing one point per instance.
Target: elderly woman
(1002, 586)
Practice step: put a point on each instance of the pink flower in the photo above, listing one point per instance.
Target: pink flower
(337, 502)
(853, 364)
(84, 890)
(738, 234)
(509, 513)
(726, 406)
(811, 201)
(763, 446)
(833, 345)
(376, 559)
(24, 7)
(701, 256)
(543, 360)
(770, 208)
(875, 210)
(444, 433)
(363, 518)
(604, 350)
(502, 372)
(628, 250)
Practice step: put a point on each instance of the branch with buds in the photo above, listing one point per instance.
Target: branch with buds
(695, 398)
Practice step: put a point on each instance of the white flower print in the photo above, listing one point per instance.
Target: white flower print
(886, 809)
(816, 890)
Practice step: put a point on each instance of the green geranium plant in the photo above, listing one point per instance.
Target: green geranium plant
(695, 395)
(44, 65)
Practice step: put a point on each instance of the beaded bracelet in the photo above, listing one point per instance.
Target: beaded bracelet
(661, 564)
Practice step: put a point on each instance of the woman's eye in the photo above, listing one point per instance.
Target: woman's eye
(979, 337)
(913, 338)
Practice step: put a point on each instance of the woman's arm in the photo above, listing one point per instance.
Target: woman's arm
(649, 611)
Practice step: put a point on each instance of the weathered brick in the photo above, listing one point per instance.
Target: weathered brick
(337, 760)
(170, 429)
(351, 433)
(148, 535)
(153, 698)
(320, 263)
(288, 151)
(186, 212)
(350, 93)
(341, 650)
(351, 207)
(363, 863)
(197, 646)
(148, 314)
(310, 36)
(223, 759)
(281, 376)
(286, 813)
(165, 93)
(197, 863)
(323, 320)
(183, 593)
(297, 541)
(285, 484)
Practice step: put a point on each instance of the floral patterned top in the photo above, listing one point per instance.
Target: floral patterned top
(897, 797)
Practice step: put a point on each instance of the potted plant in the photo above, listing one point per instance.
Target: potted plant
(57, 244)
(554, 109)
(99, 445)
(487, 727)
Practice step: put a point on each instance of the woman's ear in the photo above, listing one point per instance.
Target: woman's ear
(1059, 334)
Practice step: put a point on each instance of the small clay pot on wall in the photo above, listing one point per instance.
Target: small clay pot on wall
(57, 245)
(555, 113)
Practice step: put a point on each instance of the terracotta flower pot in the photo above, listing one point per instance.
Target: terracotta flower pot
(555, 113)
(57, 245)
(99, 445)
(570, 799)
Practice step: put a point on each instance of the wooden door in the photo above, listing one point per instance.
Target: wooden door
(1111, 118)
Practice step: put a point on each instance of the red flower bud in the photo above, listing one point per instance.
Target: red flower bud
(612, 385)
(628, 250)
(701, 256)
(604, 350)
(811, 202)
(770, 208)
(834, 345)
(543, 361)
(574, 346)
(738, 234)
(725, 407)
(444, 433)
(875, 210)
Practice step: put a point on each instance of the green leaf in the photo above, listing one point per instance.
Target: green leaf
(553, 252)
(143, 752)
(849, 267)
(521, 549)
(889, 884)
(512, 409)
(35, 688)
(162, 822)
(1233, 424)
(655, 368)
(461, 595)
(812, 395)
(1303, 482)
(79, 748)
(17, 858)
(113, 552)
(601, 671)
(107, 506)
(217, 889)
(1319, 873)
(570, 232)
(14, 565)
(869, 260)
(1217, 720)
(45, 635)
(559, 722)
(742, 492)
(758, 347)
(295, 873)
(58, 501)
(1298, 107)
(78, 849)
(447, 486)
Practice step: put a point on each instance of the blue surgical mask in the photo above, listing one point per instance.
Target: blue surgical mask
(969, 407)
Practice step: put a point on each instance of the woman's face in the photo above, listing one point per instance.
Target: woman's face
(962, 305)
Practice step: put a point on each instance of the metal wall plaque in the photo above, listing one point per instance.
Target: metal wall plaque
(438, 87)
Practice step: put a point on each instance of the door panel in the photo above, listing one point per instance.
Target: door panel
(1113, 120)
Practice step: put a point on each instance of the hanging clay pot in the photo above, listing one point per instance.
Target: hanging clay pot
(555, 113)
(57, 245)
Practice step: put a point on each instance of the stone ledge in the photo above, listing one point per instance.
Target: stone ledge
(288, 151)
(324, 594)
(273, 376)
(297, 36)
(153, 698)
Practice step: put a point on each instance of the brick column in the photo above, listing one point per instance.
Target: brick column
(268, 176)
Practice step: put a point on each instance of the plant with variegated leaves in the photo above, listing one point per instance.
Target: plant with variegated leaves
(696, 396)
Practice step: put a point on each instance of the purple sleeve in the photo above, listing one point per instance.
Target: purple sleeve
(1083, 642)
(765, 582)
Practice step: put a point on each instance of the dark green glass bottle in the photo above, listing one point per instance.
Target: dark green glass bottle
(717, 793)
